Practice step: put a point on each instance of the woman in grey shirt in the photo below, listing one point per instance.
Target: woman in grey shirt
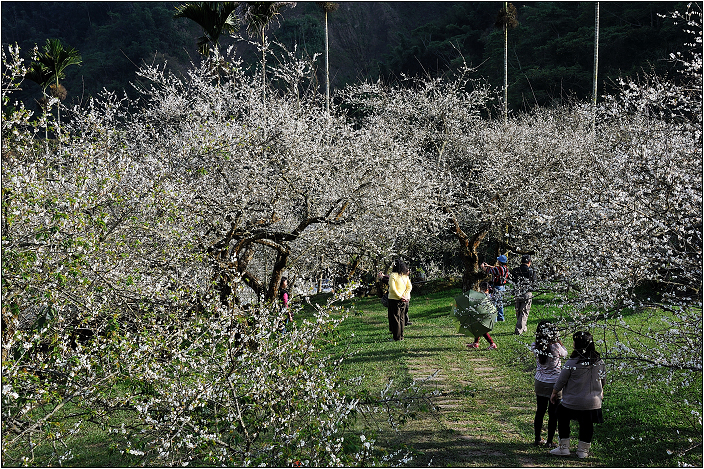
(582, 384)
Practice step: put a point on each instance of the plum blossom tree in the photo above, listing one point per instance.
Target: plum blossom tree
(638, 219)
(478, 181)
(124, 257)
(630, 237)
(127, 252)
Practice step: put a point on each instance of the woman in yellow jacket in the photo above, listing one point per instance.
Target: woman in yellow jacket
(399, 296)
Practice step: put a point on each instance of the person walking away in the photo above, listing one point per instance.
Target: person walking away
(499, 273)
(524, 279)
(548, 351)
(483, 288)
(399, 295)
(383, 278)
(582, 384)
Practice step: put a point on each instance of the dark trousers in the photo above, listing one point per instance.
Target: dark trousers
(544, 404)
(583, 417)
(397, 317)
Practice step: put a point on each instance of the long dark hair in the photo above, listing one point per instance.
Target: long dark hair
(584, 347)
(400, 267)
(545, 335)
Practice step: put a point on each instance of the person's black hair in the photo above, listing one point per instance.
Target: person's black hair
(400, 267)
(283, 279)
(484, 286)
(545, 336)
(584, 347)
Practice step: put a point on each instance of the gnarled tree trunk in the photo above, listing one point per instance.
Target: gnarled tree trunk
(471, 273)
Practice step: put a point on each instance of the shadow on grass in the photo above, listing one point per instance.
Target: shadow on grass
(449, 448)
(442, 311)
(637, 432)
(449, 335)
(389, 354)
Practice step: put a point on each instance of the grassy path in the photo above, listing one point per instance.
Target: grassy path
(482, 404)
(484, 400)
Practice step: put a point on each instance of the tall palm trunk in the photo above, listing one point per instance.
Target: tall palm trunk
(263, 65)
(596, 63)
(58, 108)
(327, 67)
(506, 67)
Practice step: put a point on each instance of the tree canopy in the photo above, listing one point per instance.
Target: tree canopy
(143, 247)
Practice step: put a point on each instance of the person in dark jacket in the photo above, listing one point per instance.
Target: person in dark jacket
(523, 277)
(499, 275)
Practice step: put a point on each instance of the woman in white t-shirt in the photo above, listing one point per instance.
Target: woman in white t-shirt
(548, 351)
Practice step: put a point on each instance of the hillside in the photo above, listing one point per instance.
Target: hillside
(550, 52)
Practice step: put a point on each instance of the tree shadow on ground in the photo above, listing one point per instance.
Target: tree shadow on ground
(450, 448)
(442, 311)
(376, 356)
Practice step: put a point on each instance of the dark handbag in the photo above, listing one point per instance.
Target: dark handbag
(385, 300)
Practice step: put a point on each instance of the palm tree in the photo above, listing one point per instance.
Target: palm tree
(214, 18)
(39, 74)
(327, 8)
(506, 19)
(49, 67)
(257, 16)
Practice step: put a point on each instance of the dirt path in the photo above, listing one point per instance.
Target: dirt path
(464, 403)
(482, 401)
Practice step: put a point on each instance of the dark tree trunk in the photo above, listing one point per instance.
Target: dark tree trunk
(471, 273)
(353, 268)
(276, 274)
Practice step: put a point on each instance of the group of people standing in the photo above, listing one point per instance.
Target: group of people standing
(574, 391)
(523, 278)
(400, 286)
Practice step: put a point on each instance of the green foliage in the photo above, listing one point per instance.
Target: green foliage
(306, 31)
(114, 39)
(550, 51)
(213, 17)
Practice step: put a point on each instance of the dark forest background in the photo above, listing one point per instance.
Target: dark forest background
(550, 52)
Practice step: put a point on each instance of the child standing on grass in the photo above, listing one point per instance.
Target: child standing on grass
(483, 288)
(548, 351)
(582, 384)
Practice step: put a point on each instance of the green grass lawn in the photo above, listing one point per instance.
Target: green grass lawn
(485, 400)
(479, 404)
